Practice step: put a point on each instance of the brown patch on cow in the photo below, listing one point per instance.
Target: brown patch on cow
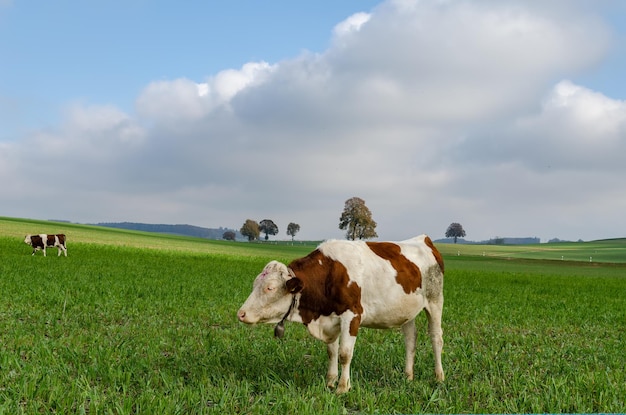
(326, 288)
(50, 240)
(355, 323)
(408, 274)
(436, 253)
(61, 237)
(36, 241)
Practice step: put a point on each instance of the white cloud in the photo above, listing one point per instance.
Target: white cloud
(351, 24)
(576, 129)
(464, 61)
(94, 132)
(177, 100)
(589, 114)
(226, 84)
(184, 100)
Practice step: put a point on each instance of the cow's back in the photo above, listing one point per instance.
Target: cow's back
(396, 278)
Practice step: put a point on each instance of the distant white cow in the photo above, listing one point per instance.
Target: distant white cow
(43, 240)
(345, 285)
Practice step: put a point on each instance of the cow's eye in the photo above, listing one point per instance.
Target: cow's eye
(269, 288)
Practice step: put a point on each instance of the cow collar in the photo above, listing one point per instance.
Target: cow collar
(279, 330)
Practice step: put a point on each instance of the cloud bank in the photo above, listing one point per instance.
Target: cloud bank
(432, 111)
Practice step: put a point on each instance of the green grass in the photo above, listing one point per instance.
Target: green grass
(143, 323)
(610, 250)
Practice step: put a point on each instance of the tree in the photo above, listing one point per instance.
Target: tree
(293, 229)
(268, 227)
(357, 220)
(229, 236)
(250, 229)
(455, 230)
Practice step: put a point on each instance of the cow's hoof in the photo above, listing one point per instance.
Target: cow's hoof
(343, 388)
(440, 376)
(331, 381)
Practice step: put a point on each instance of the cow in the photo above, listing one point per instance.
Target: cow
(344, 285)
(43, 240)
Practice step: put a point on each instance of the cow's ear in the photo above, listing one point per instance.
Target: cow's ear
(294, 285)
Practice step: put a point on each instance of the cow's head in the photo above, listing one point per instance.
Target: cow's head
(271, 296)
(27, 240)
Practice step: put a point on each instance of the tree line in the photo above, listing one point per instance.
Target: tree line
(356, 219)
(252, 229)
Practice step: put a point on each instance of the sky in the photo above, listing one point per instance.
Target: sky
(508, 117)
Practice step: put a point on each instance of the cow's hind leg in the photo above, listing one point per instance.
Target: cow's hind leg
(434, 311)
(409, 344)
(333, 365)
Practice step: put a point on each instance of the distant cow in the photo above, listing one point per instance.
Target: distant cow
(345, 285)
(42, 241)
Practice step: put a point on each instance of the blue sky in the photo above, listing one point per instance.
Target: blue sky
(106, 52)
(508, 117)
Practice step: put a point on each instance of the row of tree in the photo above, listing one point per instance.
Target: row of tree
(356, 219)
(252, 229)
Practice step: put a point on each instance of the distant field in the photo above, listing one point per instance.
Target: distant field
(143, 323)
(98, 235)
(613, 250)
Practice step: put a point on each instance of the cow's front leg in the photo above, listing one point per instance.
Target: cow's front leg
(347, 339)
(410, 334)
(333, 365)
(328, 330)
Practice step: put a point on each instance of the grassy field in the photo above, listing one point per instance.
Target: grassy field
(612, 250)
(143, 323)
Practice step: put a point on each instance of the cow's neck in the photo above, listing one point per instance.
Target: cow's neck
(294, 314)
(279, 330)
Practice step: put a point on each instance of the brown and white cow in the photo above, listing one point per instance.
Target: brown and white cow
(345, 285)
(42, 241)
